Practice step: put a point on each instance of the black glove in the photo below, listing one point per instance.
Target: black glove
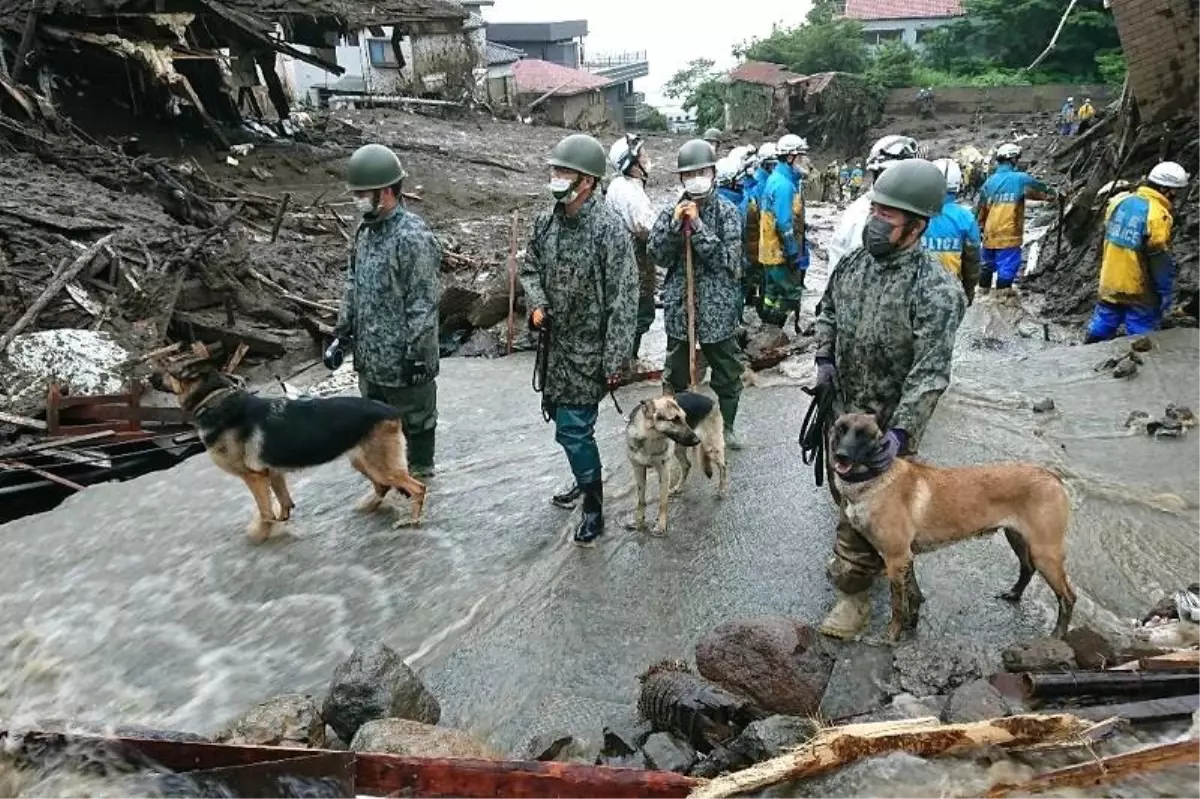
(335, 353)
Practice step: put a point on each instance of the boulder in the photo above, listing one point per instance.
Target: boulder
(780, 663)
(492, 305)
(938, 664)
(288, 720)
(767, 346)
(332, 741)
(524, 339)
(374, 684)
(775, 735)
(454, 310)
(82, 362)
(1091, 649)
(665, 752)
(414, 739)
(480, 344)
(624, 734)
(906, 706)
(975, 701)
(553, 745)
(861, 681)
(1039, 654)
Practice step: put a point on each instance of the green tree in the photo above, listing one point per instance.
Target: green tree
(1014, 32)
(1111, 65)
(892, 65)
(833, 46)
(699, 88)
(654, 120)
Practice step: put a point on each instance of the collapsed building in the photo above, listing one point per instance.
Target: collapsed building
(122, 63)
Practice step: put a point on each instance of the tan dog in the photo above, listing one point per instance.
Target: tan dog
(910, 508)
(260, 440)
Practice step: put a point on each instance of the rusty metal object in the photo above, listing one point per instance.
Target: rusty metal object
(205, 769)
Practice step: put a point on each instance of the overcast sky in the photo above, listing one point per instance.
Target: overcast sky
(672, 33)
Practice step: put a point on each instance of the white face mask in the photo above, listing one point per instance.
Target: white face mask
(698, 186)
(364, 205)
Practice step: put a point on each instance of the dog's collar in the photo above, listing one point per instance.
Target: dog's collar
(204, 404)
(860, 477)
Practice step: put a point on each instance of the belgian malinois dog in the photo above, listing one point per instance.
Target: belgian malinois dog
(260, 440)
(910, 508)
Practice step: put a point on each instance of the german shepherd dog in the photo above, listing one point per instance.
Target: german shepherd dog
(685, 420)
(260, 440)
(910, 508)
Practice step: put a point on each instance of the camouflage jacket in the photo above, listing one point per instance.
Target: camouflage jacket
(717, 256)
(889, 327)
(581, 270)
(390, 301)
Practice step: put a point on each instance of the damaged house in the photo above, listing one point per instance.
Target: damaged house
(208, 62)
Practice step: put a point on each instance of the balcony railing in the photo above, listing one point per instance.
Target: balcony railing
(609, 60)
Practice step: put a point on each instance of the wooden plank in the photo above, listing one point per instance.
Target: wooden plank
(1106, 769)
(49, 443)
(266, 345)
(22, 421)
(1188, 660)
(120, 413)
(18, 466)
(121, 435)
(1147, 712)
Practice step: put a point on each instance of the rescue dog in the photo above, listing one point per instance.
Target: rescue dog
(907, 508)
(262, 439)
(683, 421)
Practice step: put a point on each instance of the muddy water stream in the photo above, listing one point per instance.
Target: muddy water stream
(143, 602)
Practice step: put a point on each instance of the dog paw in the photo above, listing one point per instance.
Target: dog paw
(285, 512)
(259, 530)
(1009, 596)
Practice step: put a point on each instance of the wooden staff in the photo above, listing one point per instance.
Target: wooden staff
(693, 379)
(512, 280)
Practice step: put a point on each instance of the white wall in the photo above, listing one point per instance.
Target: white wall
(425, 57)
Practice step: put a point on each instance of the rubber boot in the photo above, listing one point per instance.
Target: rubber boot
(568, 498)
(729, 409)
(420, 453)
(591, 525)
(849, 616)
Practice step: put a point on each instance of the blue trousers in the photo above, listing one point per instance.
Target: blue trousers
(1004, 263)
(1108, 318)
(575, 431)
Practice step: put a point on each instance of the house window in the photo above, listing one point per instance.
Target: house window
(878, 37)
(352, 39)
(381, 54)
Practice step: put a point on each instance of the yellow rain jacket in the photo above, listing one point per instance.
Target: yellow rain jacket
(1137, 225)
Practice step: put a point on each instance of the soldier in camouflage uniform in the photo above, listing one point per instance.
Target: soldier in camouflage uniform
(390, 304)
(717, 258)
(581, 289)
(885, 334)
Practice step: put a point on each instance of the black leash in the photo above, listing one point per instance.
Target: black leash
(541, 362)
(812, 431)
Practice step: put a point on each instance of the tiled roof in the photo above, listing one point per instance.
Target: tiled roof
(535, 76)
(866, 10)
(502, 54)
(761, 72)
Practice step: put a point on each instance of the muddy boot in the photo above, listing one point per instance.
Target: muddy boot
(591, 525)
(732, 439)
(567, 499)
(420, 453)
(849, 616)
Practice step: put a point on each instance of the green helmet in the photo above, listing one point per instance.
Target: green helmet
(712, 134)
(914, 185)
(695, 154)
(581, 153)
(373, 166)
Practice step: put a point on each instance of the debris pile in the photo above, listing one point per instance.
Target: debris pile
(1109, 158)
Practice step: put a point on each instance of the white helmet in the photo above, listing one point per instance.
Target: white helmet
(767, 151)
(951, 171)
(728, 169)
(1008, 152)
(1169, 175)
(889, 150)
(1070, 99)
(791, 144)
(624, 152)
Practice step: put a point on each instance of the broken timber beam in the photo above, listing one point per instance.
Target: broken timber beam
(1106, 769)
(197, 328)
(925, 737)
(56, 284)
(250, 25)
(1150, 711)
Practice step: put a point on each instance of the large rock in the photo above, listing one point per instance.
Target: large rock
(374, 684)
(492, 305)
(665, 752)
(454, 309)
(975, 701)
(861, 682)
(1095, 650)
(414, 739)
(553, 745)
(1039, 654)
(767, 346)
(624, 734)
(776, 735)
(288, 720)
(931, 665)
(480, 344)
(780, 663)
(906, 706)
(82, 362)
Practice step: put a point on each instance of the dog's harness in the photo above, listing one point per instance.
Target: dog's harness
(812, 439)
(205, 404)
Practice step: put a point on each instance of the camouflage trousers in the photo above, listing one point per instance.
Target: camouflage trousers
(418, 413)
(723, 358)
(647, 285)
